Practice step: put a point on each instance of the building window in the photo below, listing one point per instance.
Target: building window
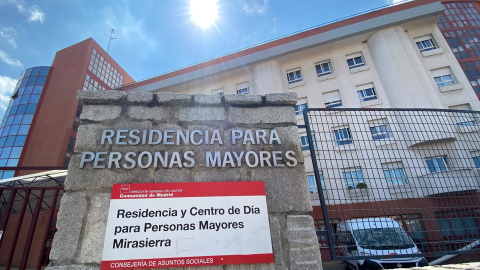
(443, 76)
(380, 129)
(437, 164)
(218, 92)
(366, 92)
(463, 119)
(301, 104)
(394, 173)
(294, 76)
(332, 99)
(425, 43)
(342, 136)
(355, 60)
(312, 184)
(353, 177)
(243, 88)
(323, 68)
(476, 159)
(463, 224)
(304, 143)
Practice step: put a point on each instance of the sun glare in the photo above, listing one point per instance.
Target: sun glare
(204, 12)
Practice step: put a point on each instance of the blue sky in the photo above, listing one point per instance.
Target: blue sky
(152, 36)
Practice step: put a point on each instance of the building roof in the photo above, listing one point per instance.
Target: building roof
(336, 31)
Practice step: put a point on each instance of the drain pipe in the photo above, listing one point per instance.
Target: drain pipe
(448, 257)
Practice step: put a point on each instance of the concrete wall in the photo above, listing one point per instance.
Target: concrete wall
(83, 213)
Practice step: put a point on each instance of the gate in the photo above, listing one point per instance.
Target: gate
(417, 167)
(28, 208)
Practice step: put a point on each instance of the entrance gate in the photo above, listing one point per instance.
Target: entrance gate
(418, 167)
(28, 208)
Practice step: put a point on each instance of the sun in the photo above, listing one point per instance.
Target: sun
(204, 12)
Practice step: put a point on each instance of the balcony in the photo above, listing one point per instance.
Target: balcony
(452, 181)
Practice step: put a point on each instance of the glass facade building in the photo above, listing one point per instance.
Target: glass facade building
(19, 115)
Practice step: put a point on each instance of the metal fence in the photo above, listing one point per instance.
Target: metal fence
(28, 209)
(375, 169)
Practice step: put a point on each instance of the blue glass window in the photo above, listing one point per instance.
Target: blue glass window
(27, 119)
(395, 174)
(34, 99)
(355, 62)
(31, 80)
(305, 145)
(21, 109)
(2, 141)
(13, 130)
(31, 107)
(426, 45)
(37, 89)
(18, 119)
(367, 94)
(23, 130)
(41, 80)
(44, 71)
(8, 174)
(9, 141)
(342, 136)
(476, 160)
(13, 111)
(6, 130)
(16, 151)
(28, 90)
(21, 91)
(12, 162)
(25, 99)
(24, 82)
(299, 108)
(28, 72)
(3, 162)
(380, 132)
(35, 71)
(437, 164)
(6, 152)
(353, 178)
(312, 184)
(20, 141)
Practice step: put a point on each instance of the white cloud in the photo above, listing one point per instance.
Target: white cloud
(36, 15)
(10, 61)
(9, 34)
(254, 6)
(33, 13)
(7, 85)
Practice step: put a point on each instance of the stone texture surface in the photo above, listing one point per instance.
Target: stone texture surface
(201, 114)
(92, 246)
(203, 99)
(89, 178)
(89, 136)
(140, 97)
(276, 234)
(100, 112)
(100, 97)
(168, 98)
(158, 113)
(243, 100)
(286, 191)
(267, 116)
(79, 242)
(304, 253)
(281, 99)
(70, 217)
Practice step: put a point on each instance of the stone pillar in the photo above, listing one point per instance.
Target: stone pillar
(82, 217)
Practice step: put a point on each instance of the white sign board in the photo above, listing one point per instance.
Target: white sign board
(187, 224)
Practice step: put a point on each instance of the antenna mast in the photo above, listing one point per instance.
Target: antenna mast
(112, 33)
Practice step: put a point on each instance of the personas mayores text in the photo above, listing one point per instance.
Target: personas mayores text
(187, 159)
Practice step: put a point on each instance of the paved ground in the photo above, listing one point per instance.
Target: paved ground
(333, 265)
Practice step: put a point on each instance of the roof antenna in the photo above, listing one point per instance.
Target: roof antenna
(112, 32)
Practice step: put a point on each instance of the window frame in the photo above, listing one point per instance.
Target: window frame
(305, 144)
(362, 92)
(357, 59)
(320, 66)
(421, 42)
(341, 140)
(443, 76)
(297, 75)
(333, 103)
(382, 134)
(354, 183)
(435, 165)
(300, 107)
(392, 168)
